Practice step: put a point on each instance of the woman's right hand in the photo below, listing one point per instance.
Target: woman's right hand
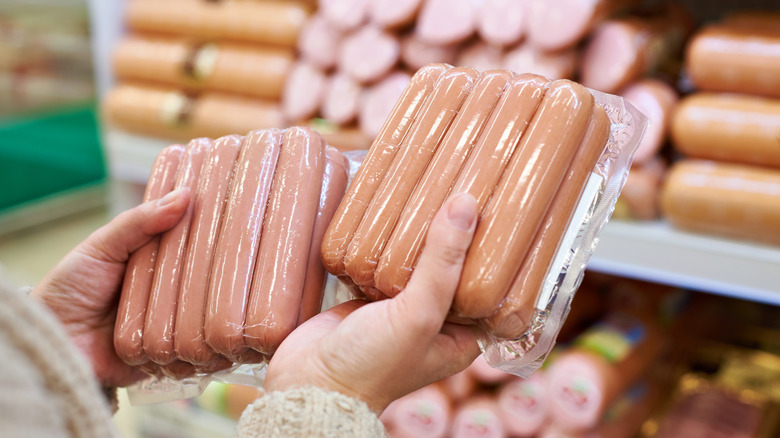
(378, 352)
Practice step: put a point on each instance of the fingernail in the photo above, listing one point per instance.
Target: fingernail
(169, 198)
(462, 211)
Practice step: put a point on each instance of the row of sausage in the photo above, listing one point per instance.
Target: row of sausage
(242, 268)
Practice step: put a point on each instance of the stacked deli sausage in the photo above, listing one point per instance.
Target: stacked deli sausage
(203, 69)
(241, 269)
(522, 145)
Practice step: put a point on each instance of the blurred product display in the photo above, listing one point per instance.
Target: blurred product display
(700, 208)
(50, 153)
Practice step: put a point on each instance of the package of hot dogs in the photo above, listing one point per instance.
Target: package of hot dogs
(242, 268)
(546, 161)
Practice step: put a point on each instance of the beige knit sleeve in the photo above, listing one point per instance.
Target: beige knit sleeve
(309, 412)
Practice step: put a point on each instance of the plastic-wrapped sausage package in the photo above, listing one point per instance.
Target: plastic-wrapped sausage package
(241, 269)
(546, 161)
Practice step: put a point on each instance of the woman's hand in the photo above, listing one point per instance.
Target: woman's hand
(378, 352)
(83, 289)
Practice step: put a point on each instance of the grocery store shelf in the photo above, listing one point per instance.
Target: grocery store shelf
(650, 251)
(654, 251)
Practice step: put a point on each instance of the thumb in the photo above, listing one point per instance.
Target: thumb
(435, 279)
(115, 241)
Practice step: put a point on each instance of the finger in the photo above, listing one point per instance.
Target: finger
(115, 241)
(454, 349)
(432, 287)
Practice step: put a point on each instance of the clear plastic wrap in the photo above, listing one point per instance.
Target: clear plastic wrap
(260, 203)
(618, 125)
(546, 167)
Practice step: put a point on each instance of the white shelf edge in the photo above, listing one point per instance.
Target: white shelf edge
(651, 251)
(657, 252)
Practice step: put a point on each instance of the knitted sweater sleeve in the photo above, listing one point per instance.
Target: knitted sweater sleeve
(309, 412)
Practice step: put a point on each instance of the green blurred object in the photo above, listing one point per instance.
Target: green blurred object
(45, 154)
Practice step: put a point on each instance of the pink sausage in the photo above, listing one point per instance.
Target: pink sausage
(342, 99)
(447, 21)
(164, 297)
(556, 65)
(334, 183)
(657, 100)
(379, 102)
(503, 22)
(368, 54)
(236, 252)
(137, 285)
(393, 13)
(280, 270)
(189, 340)
(303, 92)
(478, 417)
(416, 53)
(344, 14)
(319, 42)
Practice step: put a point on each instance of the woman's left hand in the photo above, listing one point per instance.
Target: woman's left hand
(83, 289)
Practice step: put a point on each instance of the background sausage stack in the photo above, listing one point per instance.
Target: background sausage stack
(734, 120)
(622, 368)
(523, 146)
(241, 270)
(194, 68)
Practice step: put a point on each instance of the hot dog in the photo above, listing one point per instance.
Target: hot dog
(352, 208)
(405, 170)
(742, 129)
(559, 24)
(164, 297)
(657, 100)
(727, 199)
(258, 72)
(280, 270)
(137, 283)
(622, 50)
(319, 42)
(303, 92)
(341, 100)
(393, 13)
(505, 128)
(346, 139)
(555, 65)
(274, 23)
(379, 101)
(334, 184)
(403, 247)
(512, 318)
(522, 197)
(368, 54)
(447, 21)
(738, 57)
(503, 22)
(236, 252)
(211, 196)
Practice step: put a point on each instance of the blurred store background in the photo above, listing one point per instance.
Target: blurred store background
(91, 91)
